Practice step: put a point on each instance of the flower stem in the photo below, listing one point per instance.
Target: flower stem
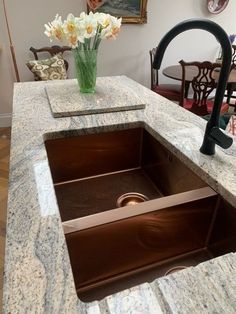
(97, 38)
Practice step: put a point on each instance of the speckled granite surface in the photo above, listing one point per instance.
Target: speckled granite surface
(112, 94)
(38, 277)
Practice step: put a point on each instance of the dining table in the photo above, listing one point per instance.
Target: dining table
(175, 72)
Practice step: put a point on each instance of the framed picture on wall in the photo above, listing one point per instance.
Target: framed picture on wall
(131, 11)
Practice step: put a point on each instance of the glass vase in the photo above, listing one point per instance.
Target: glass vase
(86, 69)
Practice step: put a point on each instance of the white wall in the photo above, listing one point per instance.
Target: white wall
(127, 55)
(6, 74)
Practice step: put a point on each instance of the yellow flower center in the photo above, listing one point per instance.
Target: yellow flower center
(73, 39)
(58, 33)
(89, 29)
(71, 27)
(106, 23)
(115, 30)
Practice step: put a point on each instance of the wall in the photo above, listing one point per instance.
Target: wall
(127, 55)
(6, 74)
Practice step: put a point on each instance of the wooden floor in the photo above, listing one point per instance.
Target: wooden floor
(4, 164)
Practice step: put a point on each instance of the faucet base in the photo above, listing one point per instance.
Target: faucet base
(213, 135)
(207, 148)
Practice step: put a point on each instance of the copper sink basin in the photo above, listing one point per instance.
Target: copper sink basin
(179, 222)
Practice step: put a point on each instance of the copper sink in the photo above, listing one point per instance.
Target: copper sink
(180, 222)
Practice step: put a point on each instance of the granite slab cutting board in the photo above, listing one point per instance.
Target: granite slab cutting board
(113, 93)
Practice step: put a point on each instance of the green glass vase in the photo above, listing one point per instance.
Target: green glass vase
(86, 69)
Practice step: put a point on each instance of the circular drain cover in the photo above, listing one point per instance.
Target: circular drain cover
(131, 198)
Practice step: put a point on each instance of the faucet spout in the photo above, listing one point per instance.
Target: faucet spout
(213, 135)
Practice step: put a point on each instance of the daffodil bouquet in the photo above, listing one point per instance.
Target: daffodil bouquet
(84, 35)
(83, 32)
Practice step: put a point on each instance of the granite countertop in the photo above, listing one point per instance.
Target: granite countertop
(38, 276)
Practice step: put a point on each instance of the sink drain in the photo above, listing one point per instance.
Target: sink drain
(131, 198)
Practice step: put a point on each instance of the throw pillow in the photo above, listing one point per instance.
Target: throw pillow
(48, 69)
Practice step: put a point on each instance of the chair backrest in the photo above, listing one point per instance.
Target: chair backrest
(53, 50)
(203, 83)
(234, 55)
(154, 72)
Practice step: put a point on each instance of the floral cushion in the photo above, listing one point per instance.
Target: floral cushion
(48, 69)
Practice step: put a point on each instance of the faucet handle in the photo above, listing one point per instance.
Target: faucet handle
(220, 138)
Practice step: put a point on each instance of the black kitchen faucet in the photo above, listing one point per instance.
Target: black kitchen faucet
(213, 134)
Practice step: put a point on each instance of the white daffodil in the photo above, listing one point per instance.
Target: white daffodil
(71, 24)
(103, 19)
(89, 23)
(55, 28)
(74, 30)
(48, 32)
(113, 29)
(72, 40)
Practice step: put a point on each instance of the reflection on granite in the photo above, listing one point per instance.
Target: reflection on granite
(112, 94)
(196, 288)
(38, 277)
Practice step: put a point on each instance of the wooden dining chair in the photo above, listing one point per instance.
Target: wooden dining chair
(52, 51)
(231, 87)
(55, 52)
(202, 84)
(169, 91)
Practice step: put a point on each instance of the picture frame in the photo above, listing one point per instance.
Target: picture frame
(131, 11)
